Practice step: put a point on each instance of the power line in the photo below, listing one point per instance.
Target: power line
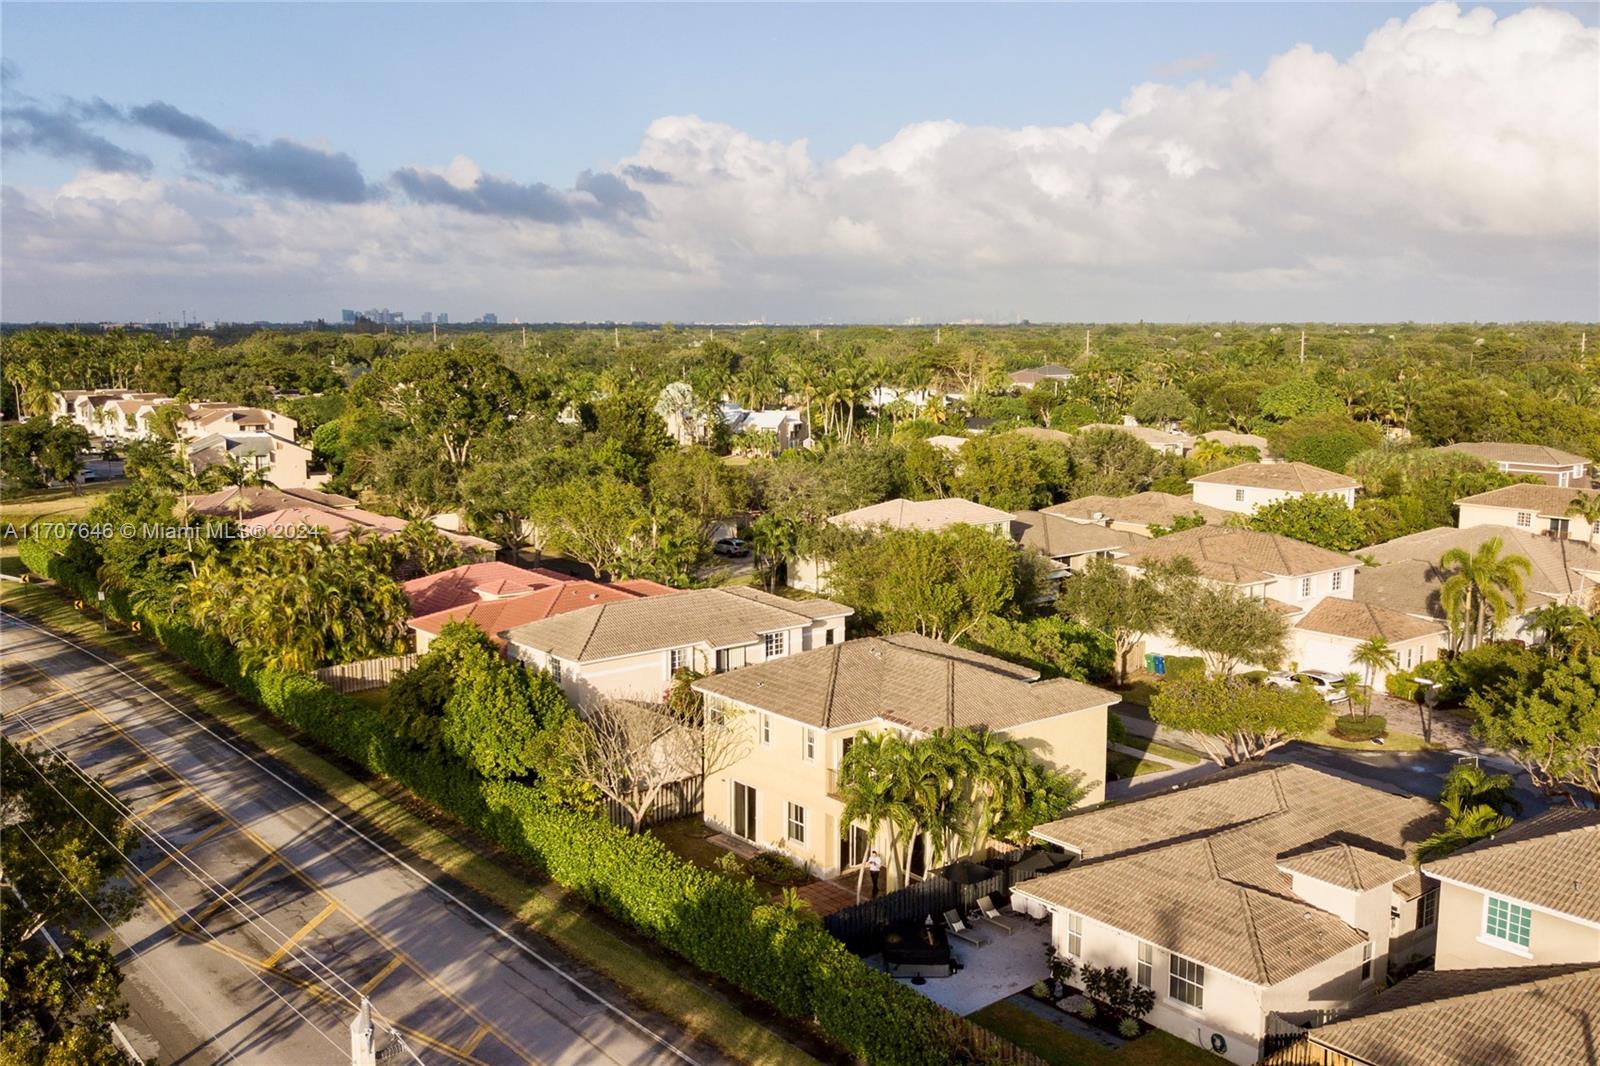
(493, 927)
(90, 823)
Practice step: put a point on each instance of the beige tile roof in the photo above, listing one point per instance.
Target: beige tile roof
(1197, 870)
(1552, 860)
(1363, 621)
(907, 679)
(1158, 438)
(1143, 508)
(260, 499)
(1502, 1016)
(1230, 439)
(1555, 562)
(921, 514)
(718, 618)
(1240, 556)
(1545, 499)
(1051, 436)
(1061, 538)
(1290, 477)
(1522, 454)
(299, 517)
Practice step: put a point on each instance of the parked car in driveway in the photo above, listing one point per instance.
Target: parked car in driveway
(1329, 686)
(732, 547)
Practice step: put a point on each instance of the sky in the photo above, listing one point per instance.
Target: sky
(785, 163)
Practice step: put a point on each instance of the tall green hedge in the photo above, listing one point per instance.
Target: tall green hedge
(722, 926)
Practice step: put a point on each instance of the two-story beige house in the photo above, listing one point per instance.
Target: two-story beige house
(1543, 510)
(631, 649)
(805, 712)
(1270, 889)
(1242, 489)
(1556, 467)
(1527, 896)
(278, 459)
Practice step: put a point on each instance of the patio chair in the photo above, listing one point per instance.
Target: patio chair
(1017, 909)
(958, 929)
(988, 912)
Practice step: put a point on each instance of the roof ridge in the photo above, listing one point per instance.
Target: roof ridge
(594, 623)
(833, 686)
(1253, 934)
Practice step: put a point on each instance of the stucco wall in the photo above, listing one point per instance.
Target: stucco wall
(1226, 497)
(1472, 515)
(1551, 938)
(1322, 651)
(1075, 741)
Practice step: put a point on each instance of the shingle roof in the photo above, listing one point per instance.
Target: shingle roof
(1142, 508)
(907, 679)
(921, 514)
(1290, 477)
(718, 618)
(1555, 562)
(1060, 537)
(1239, 556)
(1500, 1016)
(299, 517)
(1522, 454)
(1363, 621)
(1552, 860)
(456, 586)
(1545, 499)
(1197, 870)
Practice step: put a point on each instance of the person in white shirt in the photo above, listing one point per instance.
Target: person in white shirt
(874, 868)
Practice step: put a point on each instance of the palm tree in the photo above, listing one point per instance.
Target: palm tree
(1479, 596)
(866, 783)
(1587, 507)
(1476, 804)
(240, 475)
(1372, 656)
(1558, 626)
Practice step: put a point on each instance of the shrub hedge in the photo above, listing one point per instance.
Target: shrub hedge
(1360, 726)
(1180, 665)
(723, 927)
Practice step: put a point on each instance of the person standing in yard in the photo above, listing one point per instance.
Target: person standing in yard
(874, 868)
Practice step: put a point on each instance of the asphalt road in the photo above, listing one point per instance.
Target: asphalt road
(266, 915)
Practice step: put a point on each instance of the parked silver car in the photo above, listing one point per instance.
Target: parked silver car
(1329, 686)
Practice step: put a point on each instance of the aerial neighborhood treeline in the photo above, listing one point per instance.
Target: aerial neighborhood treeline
(1257, 531)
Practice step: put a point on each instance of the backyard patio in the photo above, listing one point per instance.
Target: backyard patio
(1002, 965)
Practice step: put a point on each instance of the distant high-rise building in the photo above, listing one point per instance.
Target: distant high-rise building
(347, 316)
(491, 320)
(443, 319)
(427, 318)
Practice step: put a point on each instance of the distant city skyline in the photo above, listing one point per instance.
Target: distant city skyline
(798, 164)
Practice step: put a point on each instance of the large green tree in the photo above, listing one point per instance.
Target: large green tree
(1546, 716)
(1235, 720)
(1124, 605)
(1315, 518)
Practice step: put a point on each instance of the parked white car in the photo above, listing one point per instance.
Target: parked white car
(1329, 686)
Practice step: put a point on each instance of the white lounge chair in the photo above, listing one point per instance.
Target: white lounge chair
(958, 929)
(991, 914)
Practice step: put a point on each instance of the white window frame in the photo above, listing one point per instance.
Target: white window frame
(1192, 977)
(1074, 934)
(773, 644)
(1507, 943)
(1428, 909)
(764, 729)
(1238, 495)
(795, 823)
(808, 744)
(1367, 967)
(1305, 588)
(1336, 582)
(555, 669)
(1145, 971)
(677, 659)
(1524, 519)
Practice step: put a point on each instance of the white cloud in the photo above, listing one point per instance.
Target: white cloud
(1447, 169)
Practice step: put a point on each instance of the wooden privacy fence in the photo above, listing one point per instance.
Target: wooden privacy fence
(681, 799)
(956, 887)
(368, 673)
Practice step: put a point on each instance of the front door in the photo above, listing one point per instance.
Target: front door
(744, 811)
(853, 848)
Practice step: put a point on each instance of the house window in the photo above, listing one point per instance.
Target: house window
(1337, 581)
(1524, 519)
(555, 669)
(1186, 981)
(766, 728)
(678, 658)
(827, 636)
(1074, 934)
(1507, 922)
(773, 643)
(1146, 971)
(1238, 495)
(797, 823)
(1305, 587)
(808, 744)
(1366, 963)
(1428, 909)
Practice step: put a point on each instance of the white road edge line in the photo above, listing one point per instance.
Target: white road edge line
(391, 856)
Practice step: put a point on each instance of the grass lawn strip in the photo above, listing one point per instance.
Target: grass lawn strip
(546, 910)
(1062, 1047)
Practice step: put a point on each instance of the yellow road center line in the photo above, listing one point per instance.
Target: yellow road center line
(53, 726)
(122, 775)
(177, 794)
(30, 703)
(377, 979)
(235, 890)
(196, 842)
(472, 1042)
(294, 938)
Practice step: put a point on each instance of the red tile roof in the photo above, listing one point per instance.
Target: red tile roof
(496, 616)
(454, 587)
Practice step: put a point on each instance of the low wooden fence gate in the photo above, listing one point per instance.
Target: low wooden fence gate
(681, 799)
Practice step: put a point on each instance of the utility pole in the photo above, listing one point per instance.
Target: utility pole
(524, 338)
(938, 334)
(1086, 344)
(436, 333)
(1302, 347)
(363, 1045)
(1583, 343)
(616, 337)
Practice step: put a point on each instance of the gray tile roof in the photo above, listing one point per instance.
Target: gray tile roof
(718, 618)
(1061, 538)
(908, 679)
(1356, 620)
(1555, 562)
(921, 514)
(1142, 508)
(1544, 499)
(1552, 860)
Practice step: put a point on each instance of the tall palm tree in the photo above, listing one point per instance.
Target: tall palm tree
(1558, 626)
(1372, 656)
(1587, 507)
(1483, 589)
(866, 782)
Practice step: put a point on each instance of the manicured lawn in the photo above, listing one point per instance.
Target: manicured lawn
(1165, 751)
(647, 976)
(59, 504)
(1392, 742)
(1059, 1047)
(1139, 690)
(1122, 766)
